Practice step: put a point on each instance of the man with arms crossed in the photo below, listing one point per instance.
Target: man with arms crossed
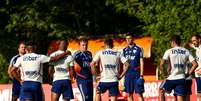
(83, 58)
(178, 58)
(109, 63)
(31, 73)
(134, 54)
(16, 84)
(61, 79)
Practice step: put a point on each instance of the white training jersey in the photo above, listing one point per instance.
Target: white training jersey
(198, 59)
(30, 66)
(109, 62)
(178, 58)
(60, 66)
(188, 67)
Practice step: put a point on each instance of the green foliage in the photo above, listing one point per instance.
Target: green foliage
(44, 20)
(163, 18)
(3, 68)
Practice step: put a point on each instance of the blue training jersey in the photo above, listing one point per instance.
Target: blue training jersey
(133, 54)
(83, 59)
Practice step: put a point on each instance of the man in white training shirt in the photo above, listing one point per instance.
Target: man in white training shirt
(61, 79)
(31, 77)
(109, 62)
(178, 58)
(196, 44)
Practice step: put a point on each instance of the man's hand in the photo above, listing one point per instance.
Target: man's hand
(68, 52)
(198, 71)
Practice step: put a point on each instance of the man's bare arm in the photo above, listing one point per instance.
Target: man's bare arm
(126, 66)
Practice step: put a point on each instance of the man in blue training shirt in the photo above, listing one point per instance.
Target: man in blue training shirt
(83, 58)
(16, 84)
(134, 81)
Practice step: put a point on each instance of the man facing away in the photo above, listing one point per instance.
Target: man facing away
(109, 60)
(178, 58)
(31, 73)
(61, 78)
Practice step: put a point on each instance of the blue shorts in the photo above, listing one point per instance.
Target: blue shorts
(188, 86)
(86, 89)
(32, 91)
(16, 88)
(198, 82)
(177, 85)
(131, 85)
(111, 86)
(63, 87)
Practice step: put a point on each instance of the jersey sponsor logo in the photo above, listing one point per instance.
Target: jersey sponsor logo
(130, 57)
(32, 74)
(30, 58)
(86, 64)
(109, 66)
(178, 51)
(179, 65)
(61, 69)
(109, 53)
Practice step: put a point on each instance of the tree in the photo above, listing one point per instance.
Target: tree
(163, 18)
(44, 20)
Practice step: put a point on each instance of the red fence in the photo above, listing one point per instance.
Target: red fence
(151, 92)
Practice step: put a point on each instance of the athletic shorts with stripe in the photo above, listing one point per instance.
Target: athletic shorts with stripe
(63, 87)
(111, 86)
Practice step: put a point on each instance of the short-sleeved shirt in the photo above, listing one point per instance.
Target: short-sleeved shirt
(13, 60)
(198, 59)
(30, 65)
(133, 54)
(60, 66)
(109, 61)
(178, 58)
(83, 58)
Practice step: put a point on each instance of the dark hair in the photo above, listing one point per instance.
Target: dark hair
(30, 43)
(197, 36)
(21, 42)
(109, 42)
(176, 39)
(82, 39)
(66, 41)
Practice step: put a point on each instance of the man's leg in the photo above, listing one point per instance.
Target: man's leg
(14, 98)
(199, 96)
(180, 90)
(188, 89)
(86, 89)
(56, 90)
(29, 100)
(113, 88)
(140, 97)
(113, 98)
(187, 97)
(198, 82)
(98, 96)
(54, 96)
(161, 95)
(67, 91)
(129, 87)
(16, 87)
(130, 97)
(180, 98)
